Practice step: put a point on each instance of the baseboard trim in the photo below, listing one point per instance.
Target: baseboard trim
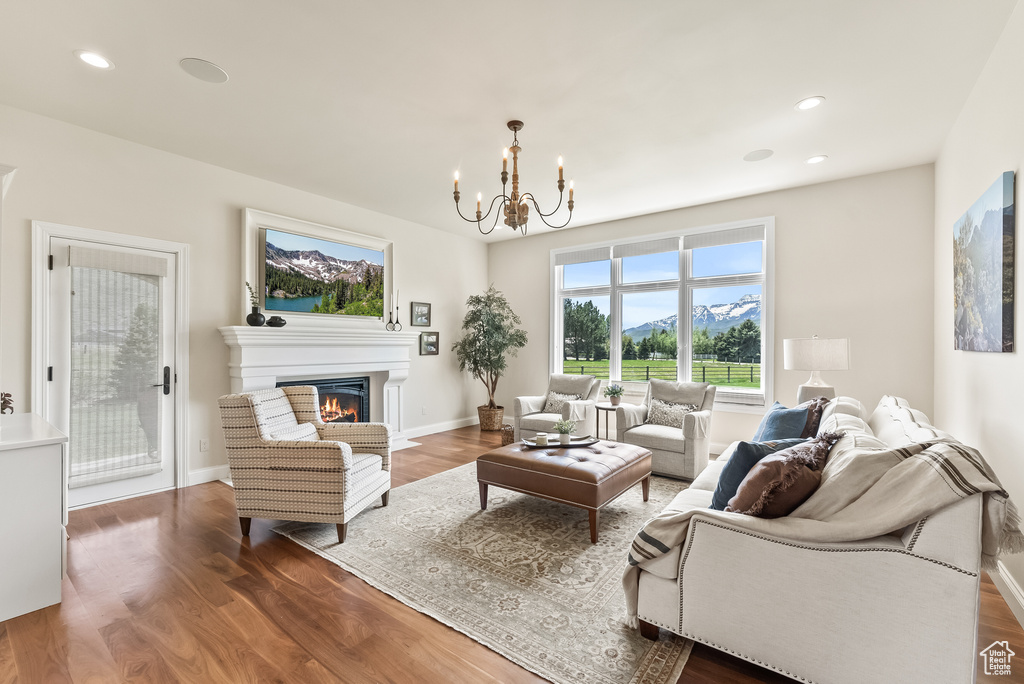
(440, 427)
(1010, 590)
(211, 474)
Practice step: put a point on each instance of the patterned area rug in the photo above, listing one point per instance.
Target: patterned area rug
(522, 577)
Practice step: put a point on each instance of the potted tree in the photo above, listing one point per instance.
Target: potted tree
(490, 332)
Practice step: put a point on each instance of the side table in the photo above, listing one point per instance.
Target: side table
(607, 408)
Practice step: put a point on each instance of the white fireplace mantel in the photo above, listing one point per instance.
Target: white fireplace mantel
(260, 357)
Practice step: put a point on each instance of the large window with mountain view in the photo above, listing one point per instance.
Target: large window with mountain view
(618, 310)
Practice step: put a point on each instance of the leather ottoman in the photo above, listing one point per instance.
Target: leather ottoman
(585, 477)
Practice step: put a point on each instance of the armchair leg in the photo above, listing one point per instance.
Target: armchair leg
(648, 631)
(384, 498)
(342, 531)
(245, 524)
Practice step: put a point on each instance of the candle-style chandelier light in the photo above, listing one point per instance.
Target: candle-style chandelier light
(514, 207)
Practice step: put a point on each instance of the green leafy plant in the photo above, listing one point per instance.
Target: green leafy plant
(490, 333)
(254, 298)
(565, 427)
(613, 390)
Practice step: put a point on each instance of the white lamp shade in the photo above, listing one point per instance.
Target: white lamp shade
(816, 354)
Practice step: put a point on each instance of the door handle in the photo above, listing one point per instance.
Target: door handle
(166, 384)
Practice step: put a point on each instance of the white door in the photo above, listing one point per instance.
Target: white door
(111, 376)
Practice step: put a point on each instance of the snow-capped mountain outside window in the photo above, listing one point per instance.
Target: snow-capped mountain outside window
(618, 310)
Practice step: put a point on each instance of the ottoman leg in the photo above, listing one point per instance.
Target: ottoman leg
(594, 514)
(645, 484)
(483, 496)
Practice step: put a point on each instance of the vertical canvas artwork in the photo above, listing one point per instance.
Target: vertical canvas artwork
(983, 271)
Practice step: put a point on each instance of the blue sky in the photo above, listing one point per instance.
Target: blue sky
(642, 308)
(291, 242)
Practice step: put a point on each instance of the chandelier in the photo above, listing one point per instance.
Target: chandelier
(514, 207)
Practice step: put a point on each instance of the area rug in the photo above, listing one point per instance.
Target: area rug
(522, 577)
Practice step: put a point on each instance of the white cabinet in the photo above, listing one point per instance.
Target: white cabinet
(32, 539)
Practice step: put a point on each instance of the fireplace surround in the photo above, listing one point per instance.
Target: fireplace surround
(260, 358)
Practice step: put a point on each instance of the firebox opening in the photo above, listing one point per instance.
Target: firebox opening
(342, 400)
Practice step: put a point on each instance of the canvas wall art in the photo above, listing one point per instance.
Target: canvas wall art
(313, 275)
(983, 271)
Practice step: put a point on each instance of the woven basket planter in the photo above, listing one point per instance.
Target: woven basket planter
(490, 418)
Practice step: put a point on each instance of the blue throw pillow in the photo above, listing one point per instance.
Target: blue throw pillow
(781, 423)
(745, 457)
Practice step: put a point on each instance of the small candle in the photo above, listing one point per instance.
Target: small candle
(479, 196)
(559, 167)
(570, 189)
(504, 160)
(456, 181)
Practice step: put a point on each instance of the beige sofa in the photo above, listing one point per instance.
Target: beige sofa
(897, 608)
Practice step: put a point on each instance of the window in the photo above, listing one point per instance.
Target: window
(619, 310)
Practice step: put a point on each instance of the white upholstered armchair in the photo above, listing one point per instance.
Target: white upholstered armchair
(287, 464)
(678, 452)
(530, 416)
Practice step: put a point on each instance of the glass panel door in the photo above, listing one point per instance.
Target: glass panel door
(112, 368)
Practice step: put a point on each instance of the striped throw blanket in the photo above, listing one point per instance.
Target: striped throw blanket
(866, 492)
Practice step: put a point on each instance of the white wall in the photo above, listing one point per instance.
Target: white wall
(74, 176)
(978, 395)
(853, 259)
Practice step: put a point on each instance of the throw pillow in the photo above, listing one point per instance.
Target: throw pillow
(668, 413)
(781, 423)
(744, 457)
(815, 409)
(779, 483)
(557, 400)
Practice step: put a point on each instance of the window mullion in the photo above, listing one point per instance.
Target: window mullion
(615, 324)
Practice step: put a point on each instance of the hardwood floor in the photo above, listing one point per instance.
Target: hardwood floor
(163, 588)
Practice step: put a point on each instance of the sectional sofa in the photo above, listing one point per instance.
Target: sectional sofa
(901, 607)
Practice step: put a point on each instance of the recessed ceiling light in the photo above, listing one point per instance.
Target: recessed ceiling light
(810, 102)
(94, 59)
(817, 159)
(757, 155)
(203, 70)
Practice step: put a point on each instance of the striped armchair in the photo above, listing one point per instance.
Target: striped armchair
(288, 465)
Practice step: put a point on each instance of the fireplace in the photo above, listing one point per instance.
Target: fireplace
(342, 400)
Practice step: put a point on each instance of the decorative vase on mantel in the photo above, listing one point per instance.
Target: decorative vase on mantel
(255, 319)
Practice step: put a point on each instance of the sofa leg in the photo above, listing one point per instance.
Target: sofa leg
(342, 531)
(245, 524)
(384, 498)
(648, 631)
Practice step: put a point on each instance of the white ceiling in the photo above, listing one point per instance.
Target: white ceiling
(652, 104)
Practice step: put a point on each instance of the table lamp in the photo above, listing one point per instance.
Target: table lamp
(816, 355)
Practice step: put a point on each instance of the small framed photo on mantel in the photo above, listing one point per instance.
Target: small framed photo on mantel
(429, 344)
(419, 314)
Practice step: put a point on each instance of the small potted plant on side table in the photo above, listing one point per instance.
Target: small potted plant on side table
(614, 394)
(565, 428)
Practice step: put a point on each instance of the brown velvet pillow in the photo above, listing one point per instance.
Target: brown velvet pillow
(779, 483)
(815, 407)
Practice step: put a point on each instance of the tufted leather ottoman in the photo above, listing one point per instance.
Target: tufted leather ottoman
(586, 477)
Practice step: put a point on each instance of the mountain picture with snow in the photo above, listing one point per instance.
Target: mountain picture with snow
(311, 275)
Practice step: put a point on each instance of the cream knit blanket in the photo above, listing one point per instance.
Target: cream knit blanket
(865, 492)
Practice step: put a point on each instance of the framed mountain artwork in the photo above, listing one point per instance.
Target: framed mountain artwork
(307, 274)
(983, 271)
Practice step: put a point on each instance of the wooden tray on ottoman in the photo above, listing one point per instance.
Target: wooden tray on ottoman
(585, 477)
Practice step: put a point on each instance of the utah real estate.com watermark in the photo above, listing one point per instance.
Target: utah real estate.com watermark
(997, 658)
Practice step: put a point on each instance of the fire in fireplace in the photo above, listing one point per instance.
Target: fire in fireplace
(342, 400)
